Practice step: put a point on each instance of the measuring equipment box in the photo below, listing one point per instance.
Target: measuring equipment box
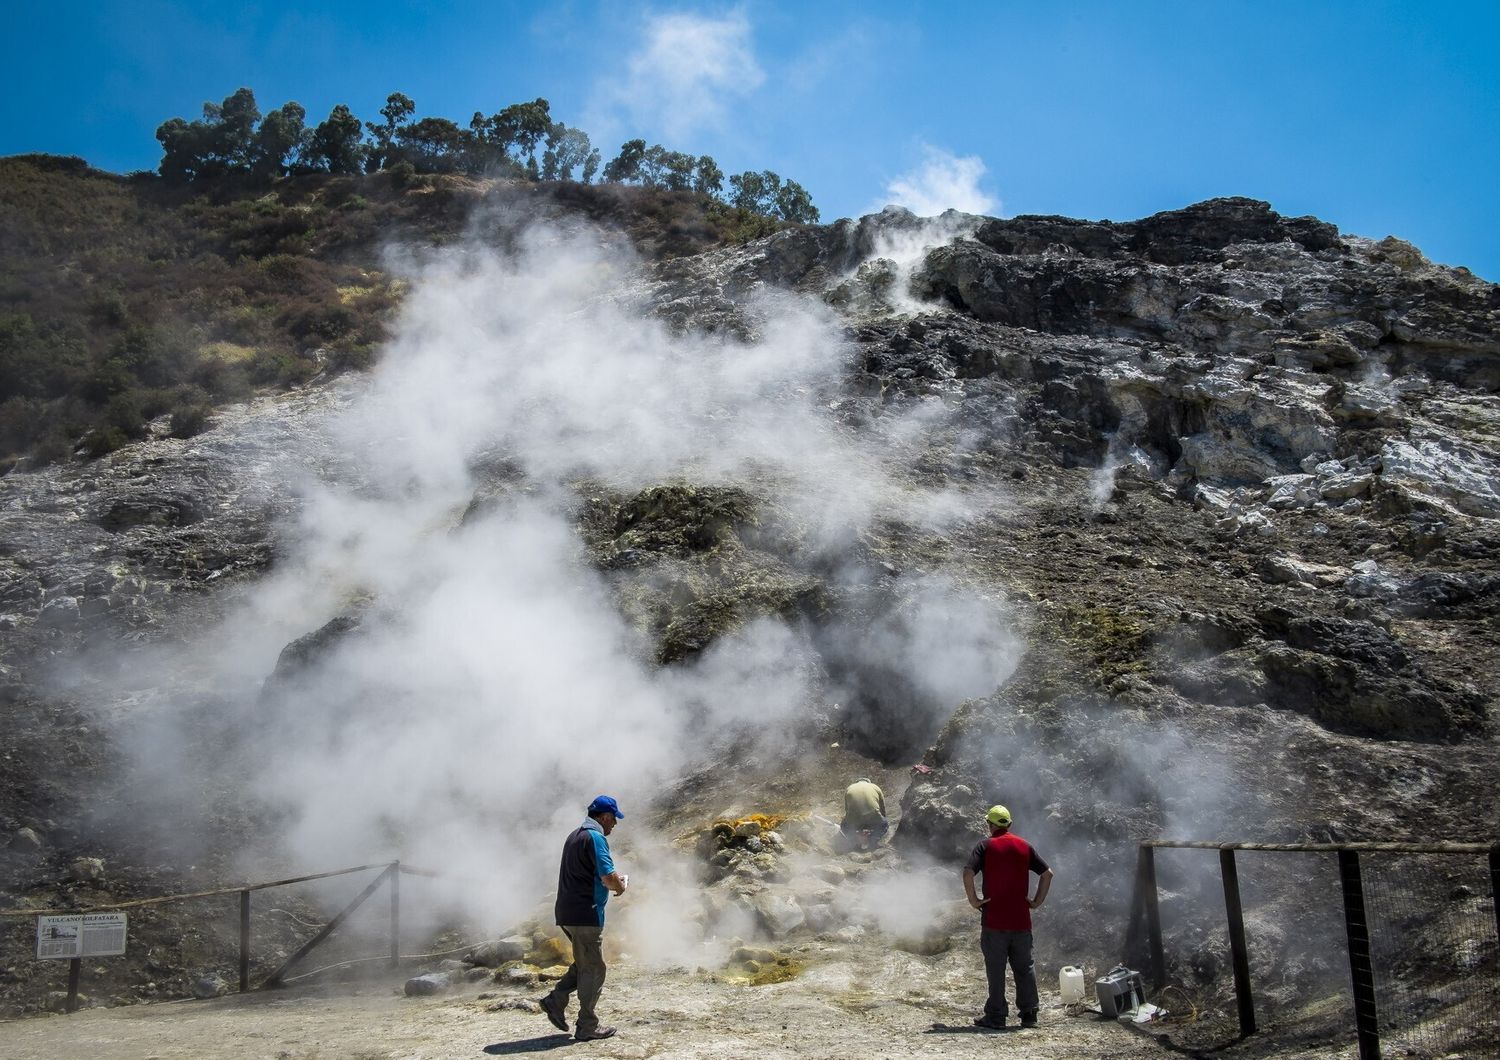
(1120, 992)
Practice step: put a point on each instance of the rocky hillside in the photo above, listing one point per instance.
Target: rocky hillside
(1184, 526)
(123, 299)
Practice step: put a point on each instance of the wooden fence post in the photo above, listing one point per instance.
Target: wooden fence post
(75, 967)
(395, 871)
(244, 941)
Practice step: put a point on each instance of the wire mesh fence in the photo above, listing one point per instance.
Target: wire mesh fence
(1421, 937)
(1435, 954)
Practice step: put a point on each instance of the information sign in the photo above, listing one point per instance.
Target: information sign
(89, 935)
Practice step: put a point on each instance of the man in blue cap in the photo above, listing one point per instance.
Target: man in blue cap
(585, 880)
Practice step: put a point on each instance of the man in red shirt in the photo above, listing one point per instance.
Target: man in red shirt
(1006, 861)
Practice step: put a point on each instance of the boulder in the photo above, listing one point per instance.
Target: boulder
(820, 916)
(780, 915)
(307, 649)
(1283, 570)
(1233, 678)
(941, 817)
(1368, 406)
(1291, 491)
(1432, 592)
(1344, 486)
(495, 952)
(1445, 471)
(1368, 580)
(429, 984)
(208, 986)
(1211, 499)
(86, 870)
(1355, 678)
(759, 954)
(60, 612)
(516, 974)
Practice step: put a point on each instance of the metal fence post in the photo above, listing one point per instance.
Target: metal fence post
(244, 941)
(1366, 1017)
(1495, 885)
(1238, 949)
(1150, 904)
(395, 913)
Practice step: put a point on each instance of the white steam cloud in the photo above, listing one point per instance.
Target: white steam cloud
(944, 181)
(490, 684)
(686, 75)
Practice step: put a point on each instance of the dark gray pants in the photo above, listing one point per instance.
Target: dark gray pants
(585, 974)
(1000, 948)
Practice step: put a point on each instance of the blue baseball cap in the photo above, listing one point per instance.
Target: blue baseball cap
(606, 804)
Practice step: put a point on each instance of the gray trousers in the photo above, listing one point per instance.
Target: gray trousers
(585, 974)
(1000, 948)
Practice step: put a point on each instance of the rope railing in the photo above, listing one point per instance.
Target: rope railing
(137, 903)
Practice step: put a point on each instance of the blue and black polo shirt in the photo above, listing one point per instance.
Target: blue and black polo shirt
(581, 893)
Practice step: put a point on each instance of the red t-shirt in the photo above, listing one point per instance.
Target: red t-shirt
(1003, 862)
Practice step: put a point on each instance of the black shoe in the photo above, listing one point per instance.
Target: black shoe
(990, 1023)
(554, 1012)
(594, 1035)
(1028, 1019)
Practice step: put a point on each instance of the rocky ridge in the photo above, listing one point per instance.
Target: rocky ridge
(1247, 475)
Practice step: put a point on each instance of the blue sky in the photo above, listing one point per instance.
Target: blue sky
(1383, 118)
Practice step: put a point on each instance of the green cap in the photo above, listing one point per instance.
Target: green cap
(998, 815)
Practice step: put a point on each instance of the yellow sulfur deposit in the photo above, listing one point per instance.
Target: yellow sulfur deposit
(551, 951)
(768, 822)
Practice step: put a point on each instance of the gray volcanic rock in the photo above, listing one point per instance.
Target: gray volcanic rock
(429, 984)
(1220, 390)
(104, 545)
(1228, 271)
(1269, 372)
(1235, 478)
(1207, 381)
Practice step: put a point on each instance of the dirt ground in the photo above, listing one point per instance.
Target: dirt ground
(854, 1004)
(855, 999)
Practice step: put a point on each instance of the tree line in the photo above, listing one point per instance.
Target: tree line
(521, 141)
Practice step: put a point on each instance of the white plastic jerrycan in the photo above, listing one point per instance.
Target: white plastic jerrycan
(1070, 984)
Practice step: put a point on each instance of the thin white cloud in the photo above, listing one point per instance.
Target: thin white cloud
(846, 58)
(686, 75)
(944, 181)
